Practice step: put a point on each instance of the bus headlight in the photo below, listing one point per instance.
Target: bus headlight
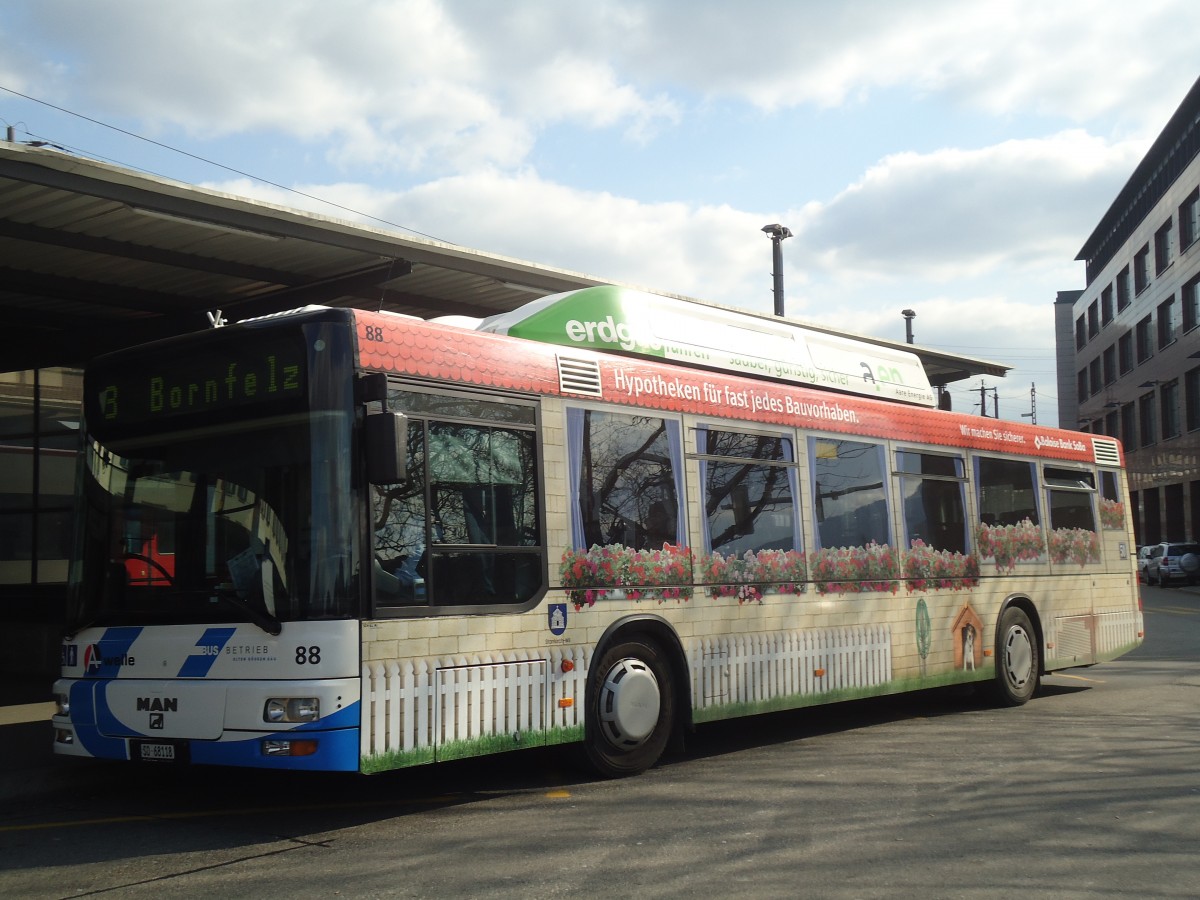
(62, 704)
(292, 709)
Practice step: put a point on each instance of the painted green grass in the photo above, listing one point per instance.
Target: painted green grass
(799, 701)
(482, 746)
(491, 744)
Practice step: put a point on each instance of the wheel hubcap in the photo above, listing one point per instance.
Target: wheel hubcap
(1018, 657)
(629, 703)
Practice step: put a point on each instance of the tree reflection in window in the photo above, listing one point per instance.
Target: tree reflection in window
(749, 498)
(627, 491)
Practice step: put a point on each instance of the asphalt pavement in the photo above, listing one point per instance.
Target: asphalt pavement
(28, 766)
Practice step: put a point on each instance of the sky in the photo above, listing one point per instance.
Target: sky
(945, 156)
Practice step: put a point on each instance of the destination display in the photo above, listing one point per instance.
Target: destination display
(216, 379)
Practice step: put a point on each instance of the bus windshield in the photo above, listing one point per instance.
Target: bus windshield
(241, 521)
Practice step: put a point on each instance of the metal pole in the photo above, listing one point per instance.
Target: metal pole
(778, 234)
(777, 273)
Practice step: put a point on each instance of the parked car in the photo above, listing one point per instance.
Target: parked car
(1173, 562)
(1143, 559)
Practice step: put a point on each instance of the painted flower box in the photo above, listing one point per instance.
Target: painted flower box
(1007, 545)
(1112, 514)
(753, 575)
(617, 572)
(1077, 545)
(927, 569)
(854, 570)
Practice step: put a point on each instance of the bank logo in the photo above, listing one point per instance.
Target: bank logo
(558, 618)
(94, 660)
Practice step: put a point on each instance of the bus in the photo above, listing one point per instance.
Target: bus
(341, 540)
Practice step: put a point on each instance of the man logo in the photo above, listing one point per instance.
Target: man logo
(156, 721)
(158, 704)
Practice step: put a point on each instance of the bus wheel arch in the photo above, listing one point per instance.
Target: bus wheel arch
(1018, 652)
(637, 696)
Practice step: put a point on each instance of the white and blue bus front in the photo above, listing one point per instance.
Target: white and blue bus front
(215, 591)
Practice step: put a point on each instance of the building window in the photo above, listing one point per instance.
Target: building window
(1123, 295)
(1189, 223)
(1166, 322)
(1168, 403)
(1189, 298)
(1093, 319)
(1162, 248)
(1094, 378)
(1144, 348)
(1191, 391)
(1081, 385)
(1106, 306)
(1110, 364)
(1146, 435)
(1129, 426)
(1112, 426)
(1080, 333)
(39, 438)
(1125, 352)
(1141, 270)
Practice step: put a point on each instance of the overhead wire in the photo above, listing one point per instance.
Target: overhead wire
(209, 162)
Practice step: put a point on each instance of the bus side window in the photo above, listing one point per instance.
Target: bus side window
(399, 522)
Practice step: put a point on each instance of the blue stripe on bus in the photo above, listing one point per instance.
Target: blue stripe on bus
(212, 642)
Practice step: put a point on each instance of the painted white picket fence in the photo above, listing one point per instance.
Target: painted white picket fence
(1115, 630)
(754, 668)
(415, 704)
(418, 704)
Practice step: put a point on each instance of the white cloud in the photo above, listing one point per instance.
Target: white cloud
(963, 213)
(1070, 58)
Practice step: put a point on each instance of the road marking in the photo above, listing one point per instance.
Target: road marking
(1079, 678)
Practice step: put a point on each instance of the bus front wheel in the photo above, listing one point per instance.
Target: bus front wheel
(1018, 667)
(631, 705)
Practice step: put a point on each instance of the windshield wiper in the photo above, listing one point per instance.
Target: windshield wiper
(263, 619)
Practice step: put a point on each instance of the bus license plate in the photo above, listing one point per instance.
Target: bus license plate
(156, 752)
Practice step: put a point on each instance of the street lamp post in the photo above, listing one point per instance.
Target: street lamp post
(909, 315)
(778, 234)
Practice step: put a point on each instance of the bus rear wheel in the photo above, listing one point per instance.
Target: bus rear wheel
(1018, 666)
(630, 709)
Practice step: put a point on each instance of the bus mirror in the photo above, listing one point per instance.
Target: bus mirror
(386, 439)
(372, 386)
